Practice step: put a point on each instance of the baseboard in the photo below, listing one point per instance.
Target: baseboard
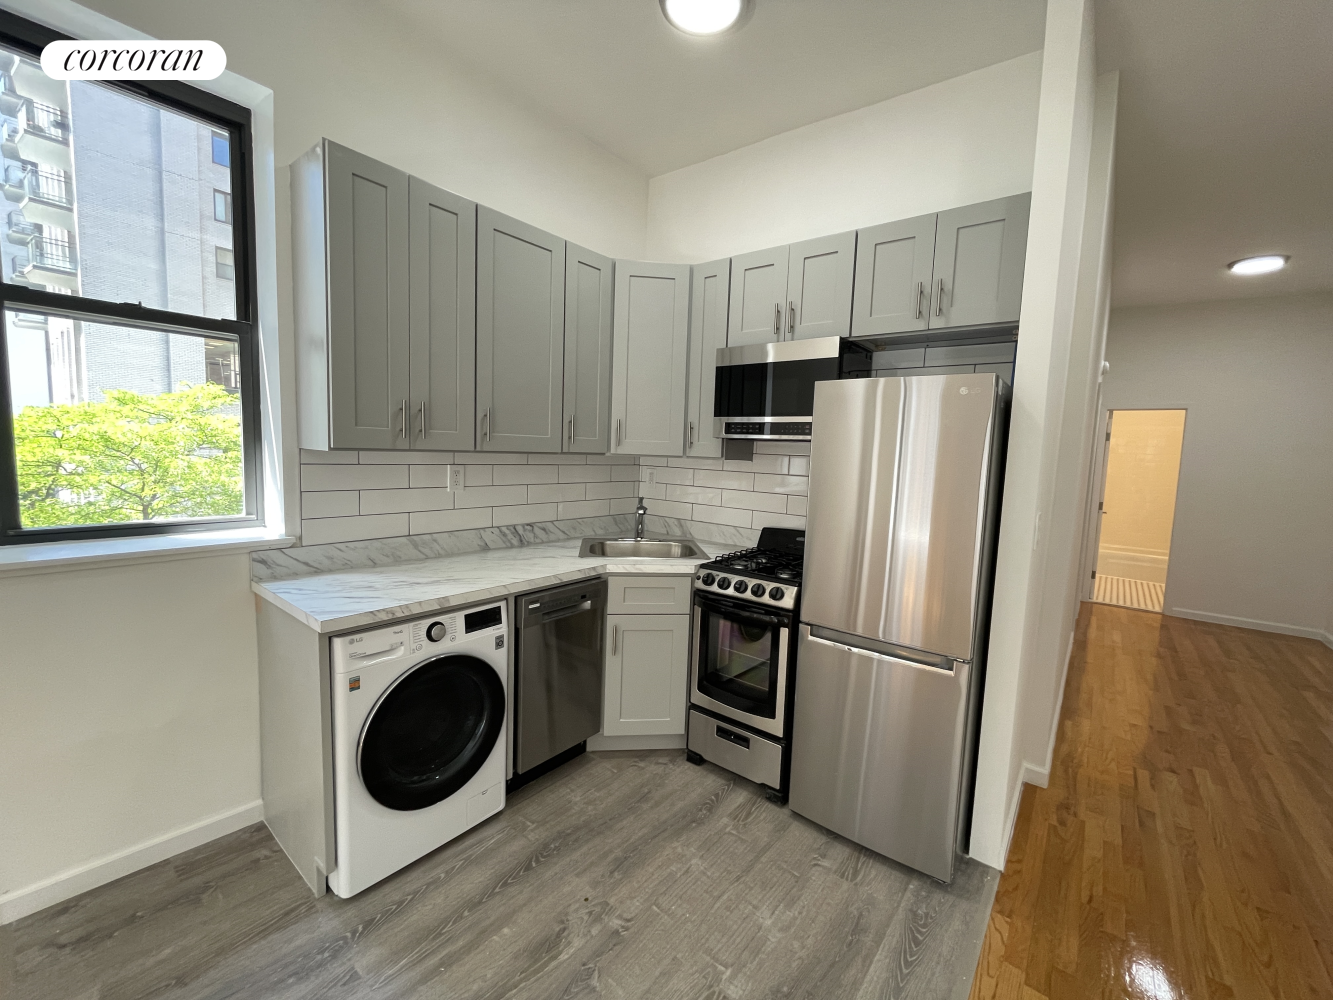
(73, 881)
(1010, 821)
(1254, 623)
(600, 742)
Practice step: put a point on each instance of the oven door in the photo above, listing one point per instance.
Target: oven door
(738, 662)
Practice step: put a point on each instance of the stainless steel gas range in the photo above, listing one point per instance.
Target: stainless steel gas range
(743, 658)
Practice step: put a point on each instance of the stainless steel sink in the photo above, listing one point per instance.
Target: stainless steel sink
(642, 548)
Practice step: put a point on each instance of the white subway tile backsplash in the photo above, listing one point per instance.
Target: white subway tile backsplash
(773, 502)
(551, 492)
(587, 473)
(797, 505)
(509, 475)
(333, 503)
(624, 473)
(482, 475)
(490, 496)
(761, 463)
(669, 508)
(763, 519)
(612, 460)
(782, 484)
(350, 529)
(725, 480)
(353, 477)
(695, 463)
(623, 505)
(327, 457)
(606, 491)
(427, 521)
(584, 508)
(406, 457)
(402, 501)
(782, 447)
(429, 475)
(800, 465)
(722, 515)
(683, 477)
(490, 458)
(558, 459)
(525, 513)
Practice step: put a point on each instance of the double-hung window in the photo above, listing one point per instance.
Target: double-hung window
(128, 360)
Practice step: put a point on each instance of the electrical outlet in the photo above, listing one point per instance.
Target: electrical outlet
(455, 477)
(652, 476)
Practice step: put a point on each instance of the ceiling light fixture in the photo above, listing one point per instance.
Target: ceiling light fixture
(1259, 265)
(704, 17)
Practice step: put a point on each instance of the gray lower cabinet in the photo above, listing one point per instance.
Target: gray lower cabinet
(442, 319)
(646, 679)
(520, 335)
(589, 283)
(758, 297)
(350, 253)
(650, 358)
(819, 287)
(895, 263)
(709, 290)
(979, 255)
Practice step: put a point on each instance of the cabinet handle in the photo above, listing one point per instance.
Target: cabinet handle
(402, 430)
(777, 320)
(421, 418)
(569, 431)
(920, 294)
(939, 302)
(615, 639)
(791, 320)
(618, 434)
(691, 433)
(486, 423)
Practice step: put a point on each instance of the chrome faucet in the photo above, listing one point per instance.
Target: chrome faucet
(639, 512)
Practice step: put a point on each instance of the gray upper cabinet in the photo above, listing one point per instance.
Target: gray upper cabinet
(819, 287)
(520, 335)
(349, 240)
(709, 288)
(894, 266)
(652, 303)
(758, 297)
(979, 256)
(589, 282)
(443, 255)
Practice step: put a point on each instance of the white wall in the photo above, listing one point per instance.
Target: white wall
(962, 141)
(1054, 375)
(168, 649)
(1253, 537)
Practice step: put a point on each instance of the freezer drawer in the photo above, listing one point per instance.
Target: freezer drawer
(741, 752)
(877, 750)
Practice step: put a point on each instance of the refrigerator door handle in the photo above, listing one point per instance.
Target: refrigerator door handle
(875, 647)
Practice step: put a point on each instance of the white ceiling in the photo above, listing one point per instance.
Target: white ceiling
(615, 71)
(1224, 146)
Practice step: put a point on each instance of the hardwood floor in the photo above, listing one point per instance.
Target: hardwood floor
(1184, 848)
(619, 875)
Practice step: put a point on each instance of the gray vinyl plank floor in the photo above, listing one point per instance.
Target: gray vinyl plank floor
(620, 875)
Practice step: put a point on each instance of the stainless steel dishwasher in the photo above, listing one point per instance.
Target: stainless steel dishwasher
(557, 674)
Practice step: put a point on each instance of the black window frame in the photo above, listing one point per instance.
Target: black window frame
(222, 116)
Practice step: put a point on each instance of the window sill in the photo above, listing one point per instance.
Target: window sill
(54, 557)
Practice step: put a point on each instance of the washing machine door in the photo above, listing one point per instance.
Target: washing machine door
(431, 731)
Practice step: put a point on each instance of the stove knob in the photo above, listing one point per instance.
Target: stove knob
(741, 586)
(777, 593)
(724, 583)
(757, 590)
(707, 579)
(435, 631)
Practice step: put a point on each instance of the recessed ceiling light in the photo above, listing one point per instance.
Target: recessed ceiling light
(703, 17)
(1259, 265)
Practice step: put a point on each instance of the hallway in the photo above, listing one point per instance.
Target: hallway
(1184, 848)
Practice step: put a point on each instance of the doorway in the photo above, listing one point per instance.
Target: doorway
(1137, 507)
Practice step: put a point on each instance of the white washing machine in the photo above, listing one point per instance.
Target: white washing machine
(419, 738)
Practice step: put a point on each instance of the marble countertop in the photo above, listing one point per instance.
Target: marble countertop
(348, 599)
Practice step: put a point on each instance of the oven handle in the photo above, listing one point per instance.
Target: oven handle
(736, 609)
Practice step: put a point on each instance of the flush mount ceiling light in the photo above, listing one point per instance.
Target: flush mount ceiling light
(704, 17)
(1259, 265)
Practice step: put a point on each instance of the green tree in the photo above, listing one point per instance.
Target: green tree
(130, 458)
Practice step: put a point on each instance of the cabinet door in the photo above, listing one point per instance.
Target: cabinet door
(709, 288)
(520, 335)
(652, 305)
(368, 309)
(443, 323)
(758, 297)
(588, 283)
(894, 263)
(647, 667)
(979, 255)
(819, 287)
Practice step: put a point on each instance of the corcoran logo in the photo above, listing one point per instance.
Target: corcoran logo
(122, 60)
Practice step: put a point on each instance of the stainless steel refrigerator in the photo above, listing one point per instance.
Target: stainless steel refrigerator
(904, 487)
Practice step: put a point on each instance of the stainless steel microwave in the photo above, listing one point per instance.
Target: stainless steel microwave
(766, 392)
